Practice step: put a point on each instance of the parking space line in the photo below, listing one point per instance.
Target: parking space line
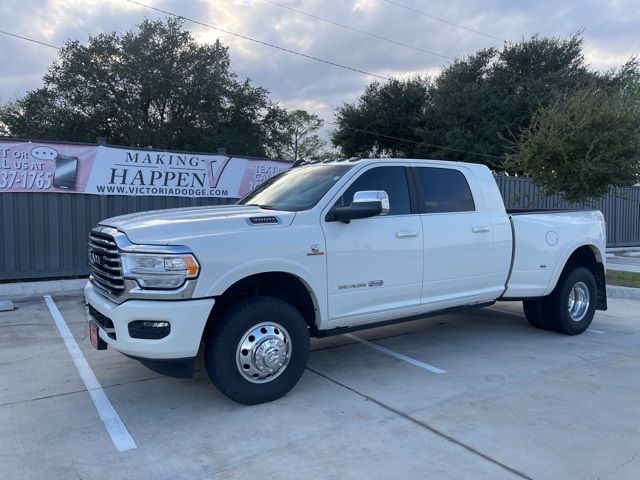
(112, 422)
(397, 355)
(593, 330)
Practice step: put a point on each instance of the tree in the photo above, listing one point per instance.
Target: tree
(475, 105)
(395, 109)
(479, 102)
(152, 85)
(583, 143)
(297, 136)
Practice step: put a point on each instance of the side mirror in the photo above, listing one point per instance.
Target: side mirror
(368, 203)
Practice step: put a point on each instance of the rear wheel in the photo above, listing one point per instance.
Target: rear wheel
(257, 350)
(571, 306)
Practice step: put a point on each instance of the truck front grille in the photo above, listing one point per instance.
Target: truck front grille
(105, 264)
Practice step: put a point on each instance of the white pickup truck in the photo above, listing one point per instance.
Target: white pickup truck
(325, 249)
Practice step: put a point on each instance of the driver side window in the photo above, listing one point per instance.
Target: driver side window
(392, 180)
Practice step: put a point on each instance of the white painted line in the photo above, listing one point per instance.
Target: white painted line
(119, 433)
(593, 330)
(397, 355)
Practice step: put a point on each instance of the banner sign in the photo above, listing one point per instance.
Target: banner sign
(67, 168)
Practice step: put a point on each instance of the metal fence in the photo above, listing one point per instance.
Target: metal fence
(621, 207)
(44, 235)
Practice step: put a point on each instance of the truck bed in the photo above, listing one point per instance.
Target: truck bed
(543, 241)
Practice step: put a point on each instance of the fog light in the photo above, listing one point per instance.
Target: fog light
(149, 329)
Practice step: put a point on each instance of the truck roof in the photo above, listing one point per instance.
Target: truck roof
(352, 160)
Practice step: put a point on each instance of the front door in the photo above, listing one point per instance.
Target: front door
(374, 264)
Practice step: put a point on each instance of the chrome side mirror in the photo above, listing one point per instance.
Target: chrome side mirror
(366, 204)
(373, 196)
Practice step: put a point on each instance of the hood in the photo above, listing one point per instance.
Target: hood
(164, 227)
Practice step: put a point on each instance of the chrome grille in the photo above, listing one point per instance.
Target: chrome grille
(105, 264)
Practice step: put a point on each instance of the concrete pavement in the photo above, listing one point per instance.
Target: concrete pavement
(515, 402)
(625, 260)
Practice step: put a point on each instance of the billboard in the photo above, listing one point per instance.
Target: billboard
(101, 170)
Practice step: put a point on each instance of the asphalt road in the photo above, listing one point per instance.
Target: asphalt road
(475, 395)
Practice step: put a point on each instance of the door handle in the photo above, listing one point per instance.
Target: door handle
(480, 229)
(406, 234)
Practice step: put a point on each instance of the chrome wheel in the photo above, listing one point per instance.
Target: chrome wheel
(578, 301)
(264, 352)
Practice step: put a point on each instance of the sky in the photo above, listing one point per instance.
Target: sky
(610, 30)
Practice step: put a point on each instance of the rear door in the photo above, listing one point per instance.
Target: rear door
(374, 265)
(457, 236)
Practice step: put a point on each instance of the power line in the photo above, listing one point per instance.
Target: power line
(353, 29)
(424, 14)
(416, 142)
(325, 61)
(267, 44)
(368, 132)
(29, 39)
(169, 80)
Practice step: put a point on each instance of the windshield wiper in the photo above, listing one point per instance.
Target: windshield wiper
(264, 207)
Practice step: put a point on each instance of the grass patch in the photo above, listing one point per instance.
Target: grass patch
(623, 279)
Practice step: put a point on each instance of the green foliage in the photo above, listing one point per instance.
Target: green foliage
(477, 104)
(152, 85)
(395, 109)
(297, 137)
(583, 143)
(479, 101)
(623, 279)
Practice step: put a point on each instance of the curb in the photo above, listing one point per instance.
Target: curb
(12, 291)
(614, 291)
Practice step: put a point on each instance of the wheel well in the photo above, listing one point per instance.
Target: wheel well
(589, 257)
(583, 257)
(281, 285)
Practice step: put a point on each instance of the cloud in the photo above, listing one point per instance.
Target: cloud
(610, 31)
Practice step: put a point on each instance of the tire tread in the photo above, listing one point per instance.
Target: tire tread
(555, 304)
(223, 338)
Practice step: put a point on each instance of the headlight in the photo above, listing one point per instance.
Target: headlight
(159, 271)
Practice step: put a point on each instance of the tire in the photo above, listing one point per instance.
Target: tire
(571, 306)
(257, 350)
(534, 311)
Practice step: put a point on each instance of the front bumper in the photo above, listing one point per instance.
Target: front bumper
(187, 318)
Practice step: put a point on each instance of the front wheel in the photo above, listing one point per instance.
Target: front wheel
(257, 350)
(572, 305)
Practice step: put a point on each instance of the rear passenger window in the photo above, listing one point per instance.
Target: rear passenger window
(444, 190)
(392, 180)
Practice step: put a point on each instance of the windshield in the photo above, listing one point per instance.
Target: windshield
(296, 189)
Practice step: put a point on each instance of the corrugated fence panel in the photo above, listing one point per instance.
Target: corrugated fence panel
(621, 207)
(44, 235)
